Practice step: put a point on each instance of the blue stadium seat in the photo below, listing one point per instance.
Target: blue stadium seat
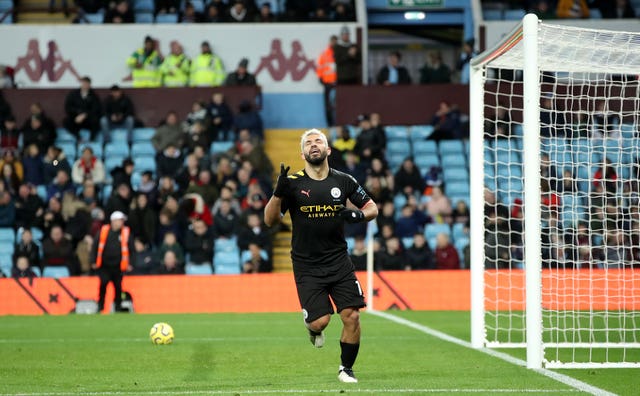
(55, 272)
(228, 245)
(69, 148)
(41, 190)
(457, 198)
(145, 163)
(167, 18)
(142, 148)
(116, 149)
(144, 17)
(227, 263)
(96, 18)
(398, 147)
(453, 161)
(63, 135)
(433, 229)
(595, 13)
(95, 146)
(143, 6)
(457, 188)
(396, 132)
(451, 147)
(458, 231)
(6, 249)
(7, 235)
(5, 267)
(460, 245)
(142, 134)
(455, 174)
(8, 19)
(198, 5)
(424, 147)
(351, 241)
(420, 132)
(119, 135)
(220, 147)
(198, 269)
(407, 242)
(5, 5)
(106, 192)
(110, 163)
(425, 162)
(245, 255)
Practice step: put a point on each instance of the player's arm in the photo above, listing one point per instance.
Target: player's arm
(370, 210)
(273, 209)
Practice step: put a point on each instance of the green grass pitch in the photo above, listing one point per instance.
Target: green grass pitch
(245, 354)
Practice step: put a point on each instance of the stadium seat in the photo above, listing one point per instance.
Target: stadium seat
(220, 147)
(226, 263)
(433, 229)
(143, 6)
(595, 13)
(142, 134)
(451, 147)
(144, 163)
(424, 147)
(69, 148)
(63, 135)
(407, 242)
(420, 132)
(119, 135)
(457, 188)
(245, 255)
(198, 269)
(167, 18)
(395, 160)
(144, 17)
(396, 132)
(6, 249)
(96, 18)
(456, 174)
(397, 147)
(106, 192)
(142, 148)
(55, 272)
(116, 149)
(228, 245)
(457, 198)
(36, 271)
(354, 130)
(7, 235)
(458, 231)
(95, 146)
(351, 241)
(111, 163)
(5, 267)
(198, 5)
(5, 5)
(453, 161)
(460, 245)
(425, 162)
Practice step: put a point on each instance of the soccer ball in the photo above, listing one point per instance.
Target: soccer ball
(161, 334)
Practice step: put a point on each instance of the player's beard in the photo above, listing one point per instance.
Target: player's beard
(317, 160)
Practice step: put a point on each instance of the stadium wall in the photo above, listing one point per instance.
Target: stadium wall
(415, 290)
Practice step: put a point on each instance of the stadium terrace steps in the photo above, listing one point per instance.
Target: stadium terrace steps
(283, 145)
(36, 12)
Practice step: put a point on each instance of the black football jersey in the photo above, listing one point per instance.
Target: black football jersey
(318, 232)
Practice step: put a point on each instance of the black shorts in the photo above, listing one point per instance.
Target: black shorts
(316, 290)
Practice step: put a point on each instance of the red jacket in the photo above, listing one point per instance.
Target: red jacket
(447, 258)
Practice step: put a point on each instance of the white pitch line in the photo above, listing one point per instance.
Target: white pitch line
(292, 391)
(565, 379)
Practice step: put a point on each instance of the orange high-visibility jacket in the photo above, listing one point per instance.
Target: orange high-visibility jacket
(124, 244)
(326, 67)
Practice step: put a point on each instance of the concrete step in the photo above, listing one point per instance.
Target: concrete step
(43, 18)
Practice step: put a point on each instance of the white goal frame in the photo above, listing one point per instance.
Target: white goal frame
(520, 48)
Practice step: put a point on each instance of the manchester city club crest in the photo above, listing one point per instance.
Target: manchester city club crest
(335, 192)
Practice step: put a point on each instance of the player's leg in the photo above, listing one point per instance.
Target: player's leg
(316, 306)
(348, 297)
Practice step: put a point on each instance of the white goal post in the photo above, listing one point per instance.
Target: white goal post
(555, 151)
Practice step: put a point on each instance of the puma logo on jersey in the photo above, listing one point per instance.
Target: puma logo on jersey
(306, 192)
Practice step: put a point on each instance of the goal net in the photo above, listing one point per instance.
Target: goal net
(555, 237)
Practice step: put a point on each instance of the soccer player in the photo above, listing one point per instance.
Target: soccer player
(317, 199)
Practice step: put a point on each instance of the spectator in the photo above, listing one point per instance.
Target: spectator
(54, 161)
(35, 131)
(343, 12)
(60, 185)
(9, 133)
(203, 187)
(5, 108)
(197, 136)
(206, 69)
(212, 14)
(439, 206)
(358, 254)
(142, 219)
(377, 189)
(88, 167)
(193, 208)
(198, 113)
(28, 207)
(393, 73)
(460, 213)
(617, 9)
(387, 216)
(175, 67)
(7, 209)
(22, 268)
(118, 113)
(9, 157)
(392, 257)
(572, 9)
(145, 263)
(543, 10)
(408, 179)
(343, 143)
(434, 71)
(256, 262)
(446, 122)
(221, 117)
(170, 243)
(36, 110)
(465, 58)
(145, 65)
(169, 264)
(353, 167)
(190, 15)
(167, 7)
(83, 109)
(89, 195)
(122, 174)
(51, 216)
(188, 174)
(419, 255)
(606, 176)
(238, 12)
(225, 221)
(168, 133)
(253, 231)
(265, 15)
(77, 216)
(446, 254)
(604, 123)
(241, 76)
(198, 243)
(248, 118)
(298, 10)
(381, 170)
(148, 186)
(326, 72)
(32, 163)
(121, 13)
(57, 250)
(9, 179)
(168, 161)
(369, 143)
(348, 59)
(411, 222)
(120, 200)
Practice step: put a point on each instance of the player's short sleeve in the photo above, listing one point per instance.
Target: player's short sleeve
(357, 195)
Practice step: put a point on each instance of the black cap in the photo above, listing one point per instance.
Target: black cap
(115, 87)
(244, 62)
(148, 39)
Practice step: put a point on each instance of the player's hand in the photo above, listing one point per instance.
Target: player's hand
(283, 181)
(351, 215)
